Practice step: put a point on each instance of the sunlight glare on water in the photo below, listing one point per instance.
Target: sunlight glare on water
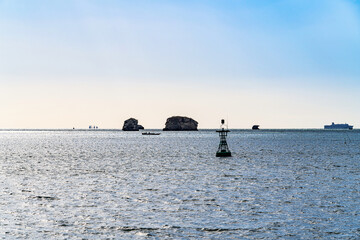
(112, 184)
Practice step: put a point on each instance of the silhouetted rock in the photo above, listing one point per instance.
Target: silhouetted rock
(255, 127)
(131, 125)
(178, 123)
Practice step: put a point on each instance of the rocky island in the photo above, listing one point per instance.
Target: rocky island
(131, 125)
(178, 123)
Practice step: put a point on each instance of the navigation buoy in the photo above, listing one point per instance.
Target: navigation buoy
(223, 150)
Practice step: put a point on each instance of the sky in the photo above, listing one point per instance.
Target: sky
(279, 63)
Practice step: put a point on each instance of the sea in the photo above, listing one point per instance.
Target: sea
(110, 184)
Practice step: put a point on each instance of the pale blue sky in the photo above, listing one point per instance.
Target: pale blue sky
(280, 64)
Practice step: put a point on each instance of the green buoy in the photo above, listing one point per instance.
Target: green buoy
(223, 150)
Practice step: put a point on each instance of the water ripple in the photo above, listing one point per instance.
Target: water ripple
(120, 185)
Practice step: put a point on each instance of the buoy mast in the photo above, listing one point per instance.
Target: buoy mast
(223, 150)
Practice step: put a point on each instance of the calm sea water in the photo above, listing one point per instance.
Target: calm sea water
(121, 185)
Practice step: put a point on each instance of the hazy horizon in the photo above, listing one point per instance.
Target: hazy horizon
(147, 129)
(279, 64)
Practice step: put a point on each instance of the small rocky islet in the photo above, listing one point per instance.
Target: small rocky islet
(175, 123)
(179, 123)
(131, 124)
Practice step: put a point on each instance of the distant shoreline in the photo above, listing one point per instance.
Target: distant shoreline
(155, 129)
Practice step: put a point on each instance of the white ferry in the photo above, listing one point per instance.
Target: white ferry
(338, 126)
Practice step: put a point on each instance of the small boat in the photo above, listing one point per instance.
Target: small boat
(150, 133)
(255, 127)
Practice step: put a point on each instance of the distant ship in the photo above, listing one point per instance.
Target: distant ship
(338, 126)
(255, 127)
